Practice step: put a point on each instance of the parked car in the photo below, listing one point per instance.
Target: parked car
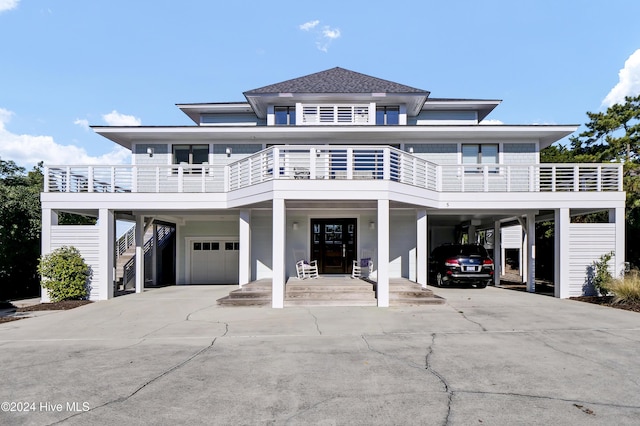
(460, 264)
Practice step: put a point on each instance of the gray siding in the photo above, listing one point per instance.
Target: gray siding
(237, 119)
(519, 153)
(443, 117)
(439, 153)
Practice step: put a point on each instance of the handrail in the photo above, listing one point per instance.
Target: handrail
(335, 162)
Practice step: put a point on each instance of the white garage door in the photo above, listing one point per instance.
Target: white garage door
(214, 262)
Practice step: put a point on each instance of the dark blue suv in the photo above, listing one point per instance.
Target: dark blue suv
(460, 264)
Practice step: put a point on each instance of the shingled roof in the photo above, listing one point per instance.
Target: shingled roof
(336, 80)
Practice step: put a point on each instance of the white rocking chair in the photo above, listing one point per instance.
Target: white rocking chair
(306, 269)
(358, 266)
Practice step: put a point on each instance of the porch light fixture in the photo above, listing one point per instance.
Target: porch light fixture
(228, 152)
(410, 150)
(295, 226)
(150, 151)
(372, 225)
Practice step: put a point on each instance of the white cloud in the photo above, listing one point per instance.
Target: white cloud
(324, 36)
(8, 5)
(309, 25)
(82, 123)
(28, 150)
(331, 33)
(114, 118)
(629, 81)
(491, 122)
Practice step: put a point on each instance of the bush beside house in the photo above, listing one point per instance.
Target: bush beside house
(64, 274)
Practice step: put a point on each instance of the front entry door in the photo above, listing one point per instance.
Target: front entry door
(333, 245)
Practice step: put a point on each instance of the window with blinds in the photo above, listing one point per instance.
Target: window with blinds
(335, 114)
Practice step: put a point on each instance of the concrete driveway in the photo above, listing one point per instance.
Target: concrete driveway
(172, 356)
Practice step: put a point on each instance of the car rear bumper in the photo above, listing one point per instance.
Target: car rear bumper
(458, 278)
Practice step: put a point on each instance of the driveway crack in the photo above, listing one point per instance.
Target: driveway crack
(447, 388)
(315, 319)
(147, 383)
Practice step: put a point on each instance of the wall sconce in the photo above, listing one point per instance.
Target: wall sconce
(295, 226)
(150, 151)
(372, 225)
(410, 150)
(228, 152)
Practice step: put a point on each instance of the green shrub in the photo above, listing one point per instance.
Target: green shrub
(64, 274)
(627, 288)
(602, 278)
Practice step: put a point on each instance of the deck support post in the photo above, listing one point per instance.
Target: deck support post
(382, 287)
(139, 254)
(422, 251)
(244, 274)
(278, 252)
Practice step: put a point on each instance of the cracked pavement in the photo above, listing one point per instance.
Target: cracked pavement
(173, 356)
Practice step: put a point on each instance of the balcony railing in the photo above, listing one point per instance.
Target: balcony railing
(335, 163)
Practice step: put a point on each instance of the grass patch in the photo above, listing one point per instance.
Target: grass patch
(626, 289)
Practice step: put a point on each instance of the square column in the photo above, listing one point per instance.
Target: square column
(139, 237)
(244, 274)
(49, 219)
(105, 278)
(383, 254)
(497, 253)
(422, 250)
(620, 254)
(561, 258)
(278, 253)
(531, 252)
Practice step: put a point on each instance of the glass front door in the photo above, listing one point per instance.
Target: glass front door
(333, 245)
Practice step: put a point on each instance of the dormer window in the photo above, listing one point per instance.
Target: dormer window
(387, 115)
(285, 115)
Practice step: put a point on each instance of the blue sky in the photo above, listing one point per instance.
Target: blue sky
(66, 64)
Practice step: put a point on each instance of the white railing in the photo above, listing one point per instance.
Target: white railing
(331, 162)
(530, 178)
(125, 241)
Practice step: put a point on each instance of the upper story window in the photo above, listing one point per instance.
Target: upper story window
(387, 115)
(285, 115)
(480, 153)
(335, 114)
(190, 154)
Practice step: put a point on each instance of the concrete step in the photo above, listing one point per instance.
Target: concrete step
(320, 302)
(330, 296)
(329, 289)
(416, 301)
(227, 301)
(245, 294)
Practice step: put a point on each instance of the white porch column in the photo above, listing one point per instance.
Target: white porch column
(561, 247)
(49, 219)
(278, 253)
(422, 251)
(383, 254)
(244, 274)
(497, 253)
(531, 252)
(620, 255)
(139, 237)
(105, 278)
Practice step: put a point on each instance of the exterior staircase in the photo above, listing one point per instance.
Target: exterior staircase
(331, 291)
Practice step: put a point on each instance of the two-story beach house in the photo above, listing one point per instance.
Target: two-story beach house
(334, 166)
